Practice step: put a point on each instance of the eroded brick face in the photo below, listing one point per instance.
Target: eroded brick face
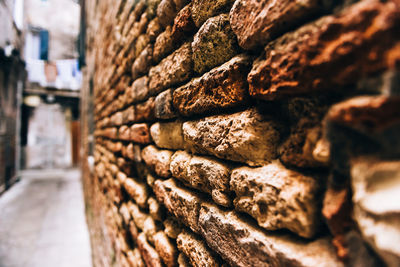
(243, 133)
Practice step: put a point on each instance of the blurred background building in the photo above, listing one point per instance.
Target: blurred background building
(40, 84)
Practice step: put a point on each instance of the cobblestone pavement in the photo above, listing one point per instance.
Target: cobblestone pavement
(42, 221)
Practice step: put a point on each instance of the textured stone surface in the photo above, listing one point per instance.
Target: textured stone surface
(337, 212)
(257, 22)
(128, 115)
(134, 258)
(183, 261)
(214, 44)
(143, 62)
(153, 29)
(180, 201)
(196, 250)
(183, 24)
(242, 244)
(165, 248)
(156, 211)
(137, 190)
(138, 216)
(278, 198)
(150, 229)
(145, 111)
(139, 89)
(172, 228)
(140, 133)
(244, 136)
(222, 87)
(305, 115)
(164, 106)
(164, 44)
(333, 51)
(166, 12)
(168, 135)
(158, 160)
(204, 9)
(203, 173)
(376, 198)
(174, 69)
(149, 254)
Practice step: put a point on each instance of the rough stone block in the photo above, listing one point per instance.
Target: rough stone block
(172, 70)
(140, 133)
(142, 41)
(157, 160)
(222, 87)
(139, 89)
(203, 173)
(205, 9)
(196, 250)
(166, 12)
(183, 24)
(133, 231)
(165, 248)
(143, 62)
(244, 136)
(149, 254)
(278, 198)
(156, 211)
(150, 229)
(163, 105)
(240, 243)
(153, 29)
(145, 111)
(331, 52)
(172, 228)
(376, 186)
(168, 135)
(137, 190)
(164, 45)
(255, 23)
(214, 44)
(124, 211)
(124, 133)
(128, 115)
(138, 216)
(134, 258)
(180, 201)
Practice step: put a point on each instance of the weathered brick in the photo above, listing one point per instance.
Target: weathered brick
(117, 119)
(128, 115)
(164, 45)
(157, 160)
(203, 173)
(196, 250)
(172, 228)
(134, 258)
(124, 211)
(242, 244)
(215, 31)
(163, 105)
(138, 216)
(222, 87)
(149, 254)
(156, 211)
(255, 23)
(137, 190)
(140, 44)
(183, 24)
(278, 198)
(205, 9)
(150, 229)
(172, 70)
(154, 29)
(244, 136)
(166, 12)
(139, 90)
(331, 52)
(143, 62)
(124, 133)
(165, 248)
(180, 201)
(168, 135)
(145, 111)
(139, 133)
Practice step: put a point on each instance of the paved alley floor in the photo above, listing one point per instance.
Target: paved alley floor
(42, 221)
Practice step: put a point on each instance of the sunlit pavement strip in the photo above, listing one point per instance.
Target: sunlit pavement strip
(42, 221)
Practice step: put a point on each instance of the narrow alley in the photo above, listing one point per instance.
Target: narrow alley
(42, 221)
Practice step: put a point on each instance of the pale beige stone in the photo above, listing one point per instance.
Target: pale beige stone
(168, 135)
(278, 198)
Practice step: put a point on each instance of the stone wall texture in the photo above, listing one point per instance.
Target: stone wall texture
(242, 133)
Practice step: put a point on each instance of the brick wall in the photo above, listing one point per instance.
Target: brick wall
(243, 133)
